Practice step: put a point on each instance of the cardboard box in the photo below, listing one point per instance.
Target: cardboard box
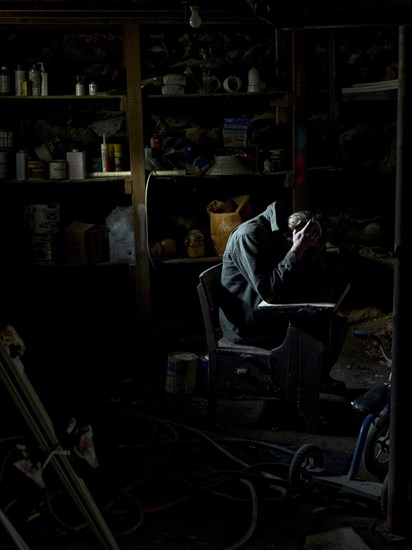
(234, 131)
(122, 247)
(86, 243)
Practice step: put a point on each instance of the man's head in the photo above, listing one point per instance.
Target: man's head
(298, 220)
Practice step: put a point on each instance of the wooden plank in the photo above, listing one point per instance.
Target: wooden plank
(134, 111)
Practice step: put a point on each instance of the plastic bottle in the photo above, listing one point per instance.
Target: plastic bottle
(79, 86)
(44, 80)
(35, 80)
(4, 81)
(105, 155)
(20, 81)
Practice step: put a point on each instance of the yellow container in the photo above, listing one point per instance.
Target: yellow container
(36, 170)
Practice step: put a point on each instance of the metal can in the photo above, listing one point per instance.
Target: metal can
(36, 170)
(92, 88)
(181, 372)
(21, 165)
(79, 88)
(58, 170)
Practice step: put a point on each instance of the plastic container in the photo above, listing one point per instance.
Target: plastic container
(195, 244)
(4, 81)
(35, 80)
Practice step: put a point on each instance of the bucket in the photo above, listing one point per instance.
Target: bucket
(181, 372)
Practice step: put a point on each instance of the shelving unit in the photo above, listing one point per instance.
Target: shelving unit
(100, 298)
(294, 92)
(174, 204)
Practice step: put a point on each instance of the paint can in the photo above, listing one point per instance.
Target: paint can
(42, 219)
(4, 165)
(181, 372)
(58, 170)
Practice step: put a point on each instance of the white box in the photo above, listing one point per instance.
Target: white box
(122, 247)
(234, 131)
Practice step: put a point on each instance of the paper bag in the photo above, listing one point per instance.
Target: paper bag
(225, 216)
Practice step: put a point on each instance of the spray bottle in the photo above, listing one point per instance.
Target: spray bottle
(105, 155)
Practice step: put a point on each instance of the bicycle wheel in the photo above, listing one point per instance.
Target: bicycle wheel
(307, 460)
(376, 453)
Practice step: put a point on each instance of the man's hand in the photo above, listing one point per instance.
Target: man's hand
(310, 236)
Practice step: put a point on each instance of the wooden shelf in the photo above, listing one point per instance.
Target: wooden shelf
(223, 95)
(98, 97)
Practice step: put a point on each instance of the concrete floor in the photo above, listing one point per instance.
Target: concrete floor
(159, 447)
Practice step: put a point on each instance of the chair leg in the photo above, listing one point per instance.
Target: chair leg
(212, 390)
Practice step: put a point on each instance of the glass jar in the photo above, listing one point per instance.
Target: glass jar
(195, 244)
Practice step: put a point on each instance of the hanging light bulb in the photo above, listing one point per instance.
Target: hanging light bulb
(195, 20)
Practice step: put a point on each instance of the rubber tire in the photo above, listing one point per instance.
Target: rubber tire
(376, 453)
(307, 459)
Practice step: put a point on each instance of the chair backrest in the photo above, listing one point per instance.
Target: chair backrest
(209, 290)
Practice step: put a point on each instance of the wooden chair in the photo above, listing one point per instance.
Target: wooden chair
(290, 372)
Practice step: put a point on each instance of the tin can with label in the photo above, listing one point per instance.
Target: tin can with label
(181, 372)
(79, 86)
(36, 170)
(76, 165)
(58, 170)
(92, 88)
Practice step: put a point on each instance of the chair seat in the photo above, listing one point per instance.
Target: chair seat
(225, 344)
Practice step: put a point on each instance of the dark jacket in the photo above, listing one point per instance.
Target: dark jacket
(258, 265)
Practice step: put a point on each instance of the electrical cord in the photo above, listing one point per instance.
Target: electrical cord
(254, 517)
(144, 472)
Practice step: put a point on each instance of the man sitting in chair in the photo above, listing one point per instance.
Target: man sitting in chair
(276, 257)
